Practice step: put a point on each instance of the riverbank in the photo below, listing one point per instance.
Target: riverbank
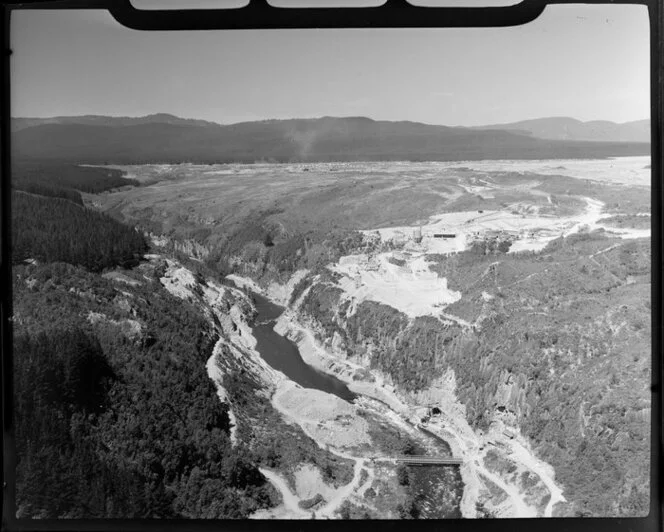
(451, 426)
(283, 355)
(404, 414)
(334, 424)
(501, 493)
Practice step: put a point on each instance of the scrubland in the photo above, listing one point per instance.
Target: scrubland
(539, 360)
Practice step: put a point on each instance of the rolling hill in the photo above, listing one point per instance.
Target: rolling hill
(565, 128)
(18, 124)
(167, 139)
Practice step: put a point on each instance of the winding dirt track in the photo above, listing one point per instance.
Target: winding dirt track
(290, 500)
(344, 491)
(327, 511)
(464, 441)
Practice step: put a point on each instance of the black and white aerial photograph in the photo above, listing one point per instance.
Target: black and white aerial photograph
(370, 273)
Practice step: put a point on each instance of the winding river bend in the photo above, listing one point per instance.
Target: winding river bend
(438, 489)
(283, 355)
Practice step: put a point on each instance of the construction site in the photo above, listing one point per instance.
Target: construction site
(400, 277)
(518, 229)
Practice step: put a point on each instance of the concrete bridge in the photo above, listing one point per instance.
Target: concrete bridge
(428, 460)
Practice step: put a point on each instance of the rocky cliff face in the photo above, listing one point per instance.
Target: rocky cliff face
(188, 247)
(518, 372)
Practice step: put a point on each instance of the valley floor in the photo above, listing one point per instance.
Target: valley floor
(480, 220)
(311, 409)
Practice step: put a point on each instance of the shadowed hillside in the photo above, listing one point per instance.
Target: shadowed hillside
(113, 121)
(321, 139)
(565, 128)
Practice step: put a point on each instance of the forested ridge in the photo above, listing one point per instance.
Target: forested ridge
(317, 139)
(115, 413)
(50, 222)
(53, 229)
(112, 388)
(65, 180)
(260, 248)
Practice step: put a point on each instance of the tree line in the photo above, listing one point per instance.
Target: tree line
(110, 425)
(54, 229)
(62, 180)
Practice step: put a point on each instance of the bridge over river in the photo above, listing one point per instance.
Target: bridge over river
(428, 460)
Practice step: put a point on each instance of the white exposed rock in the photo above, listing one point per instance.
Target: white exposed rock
(412, 288)
(243, 282)
(159, 241)
(321, 414)
(216, 375)
(309, 482)
(122, 278)
(222, 302)
(178, 280)
(281, 293)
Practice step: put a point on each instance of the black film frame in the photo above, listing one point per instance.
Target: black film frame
(259, 14)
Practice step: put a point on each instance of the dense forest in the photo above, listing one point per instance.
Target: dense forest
(259, 250)
(53, 229)
(42, 188)
(112, 389)
(60, 179)
(115, 414)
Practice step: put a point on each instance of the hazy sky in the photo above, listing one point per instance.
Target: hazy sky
(588, 62)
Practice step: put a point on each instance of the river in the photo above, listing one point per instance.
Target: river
(436, 490)
(283, 355)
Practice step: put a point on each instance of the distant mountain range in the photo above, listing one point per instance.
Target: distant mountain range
(565, 128)
(112, 121)
(168, 139)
